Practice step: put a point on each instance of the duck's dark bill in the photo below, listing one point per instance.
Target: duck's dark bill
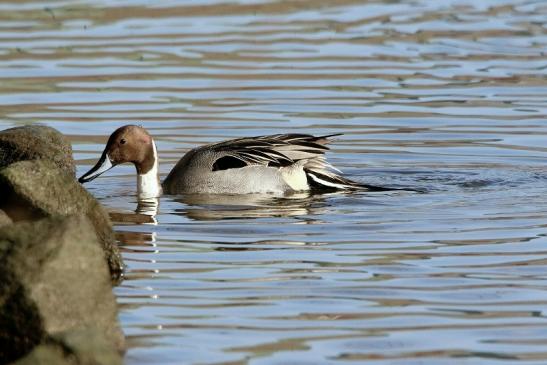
(104, 164)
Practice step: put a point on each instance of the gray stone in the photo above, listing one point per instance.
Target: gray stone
(80, 347)
(35, 189)
(46, 354)
(53, 280)
(36, 142)
(4, 219)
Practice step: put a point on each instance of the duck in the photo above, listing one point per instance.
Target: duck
(278, 164)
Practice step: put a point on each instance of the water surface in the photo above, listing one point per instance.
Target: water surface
(448, 96)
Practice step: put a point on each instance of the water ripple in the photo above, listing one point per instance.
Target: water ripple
(446, 96)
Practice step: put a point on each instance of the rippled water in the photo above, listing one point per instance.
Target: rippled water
(448, 96)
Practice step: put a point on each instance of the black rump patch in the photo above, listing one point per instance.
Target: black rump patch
(228, 162)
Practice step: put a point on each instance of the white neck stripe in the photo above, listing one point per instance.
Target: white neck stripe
(148, 184)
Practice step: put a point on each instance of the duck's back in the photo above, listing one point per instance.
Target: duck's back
(196, 173)
(266, 164)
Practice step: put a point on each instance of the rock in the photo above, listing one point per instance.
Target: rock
(4, 219)
(46, 354)
(36, 142)
(53, 279)
(35, 189)
(80, 347)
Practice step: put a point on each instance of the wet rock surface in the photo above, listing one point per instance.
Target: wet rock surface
(36, 142)
(56, 300)
(38, 188)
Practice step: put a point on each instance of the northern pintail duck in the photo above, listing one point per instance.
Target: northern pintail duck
(279, 163)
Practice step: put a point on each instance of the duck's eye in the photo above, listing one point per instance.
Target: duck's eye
(122, 141)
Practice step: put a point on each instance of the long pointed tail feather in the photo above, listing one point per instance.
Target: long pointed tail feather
(318, 180)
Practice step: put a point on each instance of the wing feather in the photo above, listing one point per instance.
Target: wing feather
(276, 150)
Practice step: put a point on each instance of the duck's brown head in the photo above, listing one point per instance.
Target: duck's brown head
(130, 143)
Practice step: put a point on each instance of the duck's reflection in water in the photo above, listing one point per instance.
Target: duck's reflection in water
(135, 239)
(219, 207)
(148, 207)
(207, 207)
(216, 207)
(145, 213)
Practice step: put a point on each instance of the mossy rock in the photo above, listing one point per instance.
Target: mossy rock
(4, 219)
(36, 142)
(53, 279)
(80, 347)
(35, 189)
